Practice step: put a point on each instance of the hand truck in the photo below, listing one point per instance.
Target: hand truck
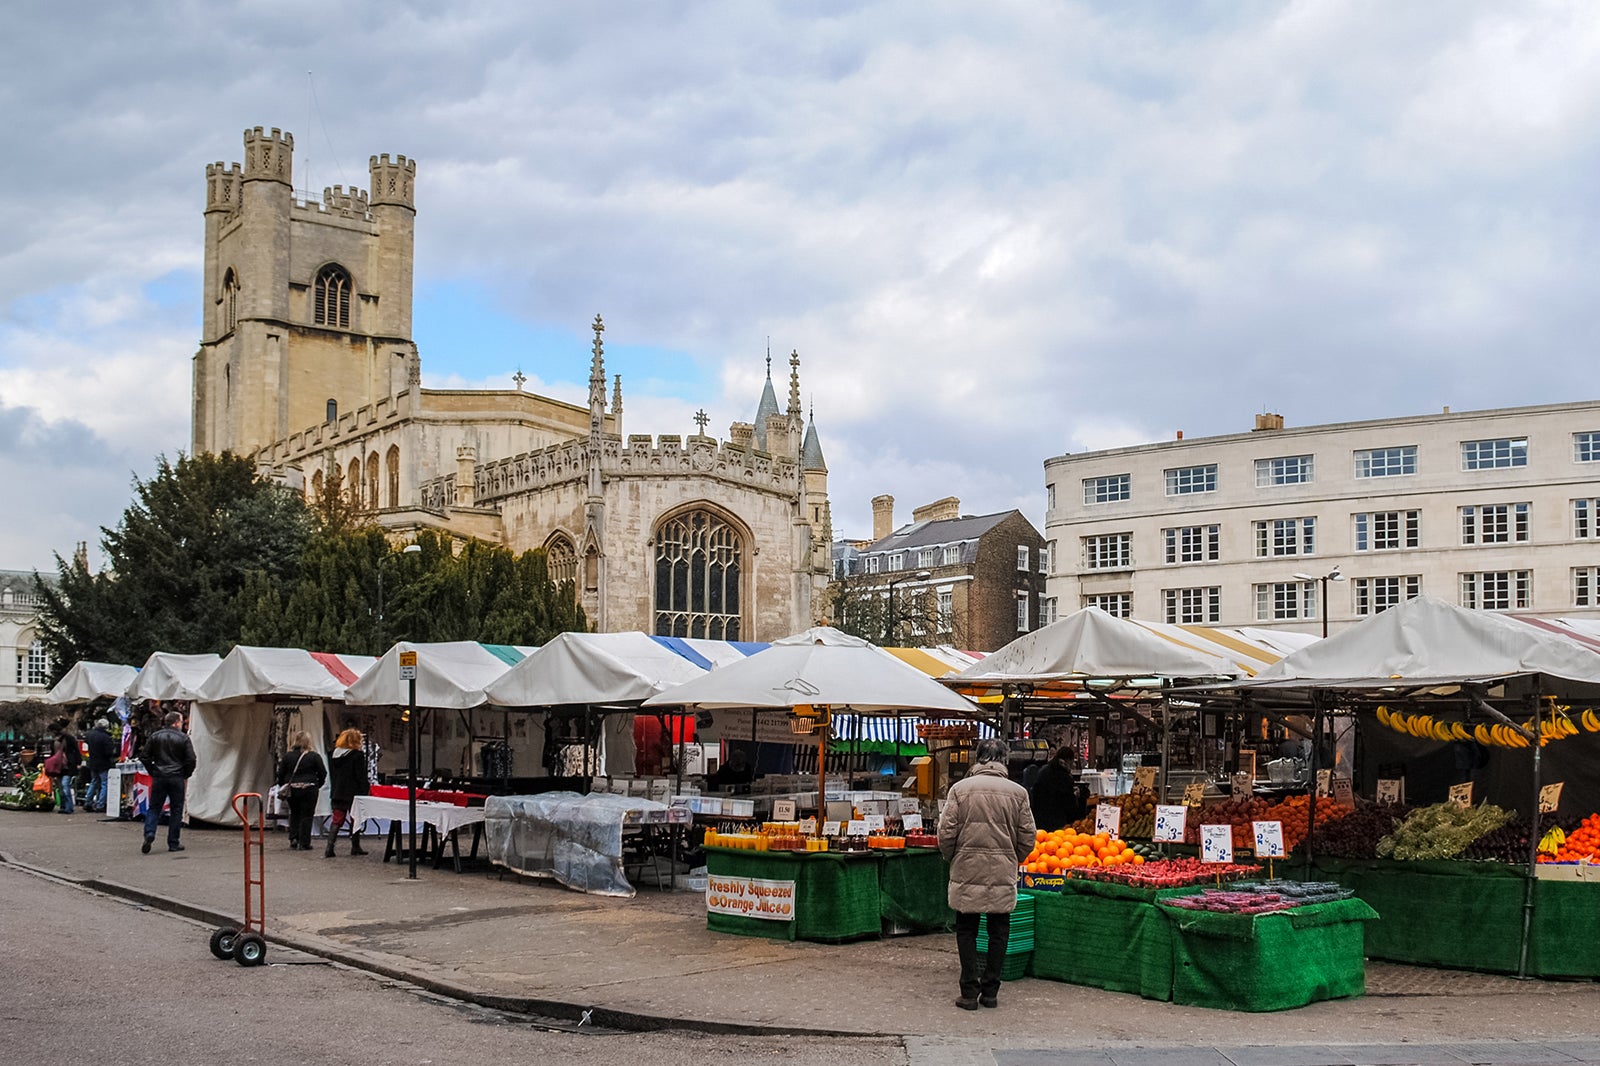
(247, 945)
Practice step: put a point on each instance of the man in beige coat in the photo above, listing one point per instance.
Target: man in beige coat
(985, 831)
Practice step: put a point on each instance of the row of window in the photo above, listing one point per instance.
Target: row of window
(330, 298)
(1495, 523)
(363, 492)
(1399, 461)
(923, 558)
(1277, 601)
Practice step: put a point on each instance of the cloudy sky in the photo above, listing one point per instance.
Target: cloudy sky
(994, 232)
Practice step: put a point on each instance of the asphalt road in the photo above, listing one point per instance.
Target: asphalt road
(86, 978)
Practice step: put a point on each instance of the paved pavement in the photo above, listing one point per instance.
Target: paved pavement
(650, 963)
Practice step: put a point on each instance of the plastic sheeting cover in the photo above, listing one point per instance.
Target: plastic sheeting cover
(575, 839)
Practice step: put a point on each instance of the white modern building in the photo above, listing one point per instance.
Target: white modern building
(24, 665)
(1498, 510)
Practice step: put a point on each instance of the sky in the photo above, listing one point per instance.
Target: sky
(993, 232)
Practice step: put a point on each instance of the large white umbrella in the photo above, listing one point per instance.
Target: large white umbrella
(167, 676)
(820, 667)
(88, 681)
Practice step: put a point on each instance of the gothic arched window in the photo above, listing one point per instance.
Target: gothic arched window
(316, 487)
(331, 292)
(394, 475)
(230, 301)
(353, 480)
(372, 481)
(699, 568)
(561, 560)
(333, 411)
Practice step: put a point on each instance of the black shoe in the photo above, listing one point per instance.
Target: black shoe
(988, 1001)
(355, 846)
(327, 852)
(967, 1004)
(174, 847)
(145, 847)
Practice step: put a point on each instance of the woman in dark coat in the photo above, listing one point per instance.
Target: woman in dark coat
(300, 777)
(347, 780)
(1055, 798)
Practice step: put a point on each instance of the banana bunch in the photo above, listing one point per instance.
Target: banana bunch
(1590, 720)
(1552, 841)
(1426, 727)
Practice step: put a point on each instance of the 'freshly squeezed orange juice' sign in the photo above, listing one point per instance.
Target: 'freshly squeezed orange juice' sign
(751, 897)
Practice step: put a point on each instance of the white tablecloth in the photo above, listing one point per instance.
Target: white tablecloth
(445, 817)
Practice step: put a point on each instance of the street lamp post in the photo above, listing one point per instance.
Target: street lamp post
(383, 561)
(1331, 575)
(891, 619)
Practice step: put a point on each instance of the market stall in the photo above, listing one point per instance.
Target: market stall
(86, 682)
(573, 839)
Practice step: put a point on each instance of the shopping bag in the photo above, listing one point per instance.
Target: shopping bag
(277, 807)
(42, 783)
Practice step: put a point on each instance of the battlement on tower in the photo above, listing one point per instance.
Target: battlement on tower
(393, 182)
(222, 186)
(269, 156)
(338, 202)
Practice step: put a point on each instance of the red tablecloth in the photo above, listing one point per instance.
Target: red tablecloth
(430, 795)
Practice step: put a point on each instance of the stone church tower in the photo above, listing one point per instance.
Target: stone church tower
(307, 306)
(307, 363)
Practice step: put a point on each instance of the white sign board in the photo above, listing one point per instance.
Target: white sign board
(1244, 786)
(1324, 782)
(1107, 818)
(1344, 793)
(858, 828)
(875, 823)
(783, 810)
(1391, 790)
(1194, 793)
(408, 666)
(1170, 823)
(1269, 839)
(830, 829)
(911, 821)
(750, 897)
(808, 826)
(1216, 843)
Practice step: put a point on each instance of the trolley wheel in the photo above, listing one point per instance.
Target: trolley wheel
(222, 942)
(249, 950)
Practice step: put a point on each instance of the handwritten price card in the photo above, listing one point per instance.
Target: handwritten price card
(1194, 793)
(1107, 819)
(1344, 793)
(1144, 777)
(1391, 790)
(1324, 782)
(1550, 798)
(1244, 786)
(1170, 823)
(1269, 839)
(1461, 795)
(1216, 843)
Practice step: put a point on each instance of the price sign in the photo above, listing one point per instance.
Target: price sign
(1269, 839)
(1144, 777)
(1216, 843)
(858, 828)
(1194, 793)
(1244, 786)
(1344, 793)
(1391, 790)
(908, 804)
(1107, 818)
(408, 666)
(808, 827)
(1170, 822)
(1461, 795)
(783, 810)
(830, 829)
(1324, 782)
(1550, 798)
(875, 823)
(911, 821)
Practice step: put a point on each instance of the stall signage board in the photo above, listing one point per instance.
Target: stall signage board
(1344, 793)
(1107, 818)
(858, 828)
(1391, 790)
(783, 810)
(830, 829)
(1216, 843)
(911, 821)
(1244, 786)
(1461, 795)
(1194, 793)
(1144, 777)
(808, 826)
(909, 804)
(875, 823)
(408, 666)
(1324, 782)
(1170, 822)
(1550, 797)
(1269, 839)
(751, 897)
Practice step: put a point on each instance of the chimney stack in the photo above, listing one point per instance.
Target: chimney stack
(1268, 421)
(938, 510)
(882, 516)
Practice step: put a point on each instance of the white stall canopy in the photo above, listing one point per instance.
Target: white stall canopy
(451, 675)
(167, 676)
(88, 681)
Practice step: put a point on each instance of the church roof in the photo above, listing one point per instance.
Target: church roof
(811, 451)
(767, 406)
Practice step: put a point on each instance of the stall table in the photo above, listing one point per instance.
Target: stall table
(442, 824)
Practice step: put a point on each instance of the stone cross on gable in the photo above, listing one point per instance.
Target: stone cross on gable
(700, 419)
(519, 377)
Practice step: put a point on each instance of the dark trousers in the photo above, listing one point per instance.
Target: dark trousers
(982, 978)
(168, 790)
(302, 808)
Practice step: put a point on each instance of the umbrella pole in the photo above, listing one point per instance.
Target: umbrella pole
(822, 766)
(1533, 846)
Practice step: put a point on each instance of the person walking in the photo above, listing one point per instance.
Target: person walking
(300, 775)
(102, 754)
(168, 758)
(67, 744)
(1054, 797)
(347, 779)
(985, 831)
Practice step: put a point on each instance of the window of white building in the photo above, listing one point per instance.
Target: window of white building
(1283, 600)
(33, 666)
(1184, 480)
(1386, 462)
(1193, 544)
(1108, 551)
(1494, 454)
(1377, 531)
(1586, 447)
(1374, 594)
(1109, 489)
(1286, 536)
(1585, 590)
(1284, 470)
(1498, 523)
(1193, 605)
(1118, 604)
(1497, 590)
(1584, 515)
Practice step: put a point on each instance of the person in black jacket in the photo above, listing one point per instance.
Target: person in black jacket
(67, 743)
(347, 779)
(102, 754)
(300, 776)
(168, 758)
(1055, 798)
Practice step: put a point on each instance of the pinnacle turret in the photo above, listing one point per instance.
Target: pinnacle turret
(768, 406)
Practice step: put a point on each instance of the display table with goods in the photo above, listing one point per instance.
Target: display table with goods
(442, 824)
(574, 839)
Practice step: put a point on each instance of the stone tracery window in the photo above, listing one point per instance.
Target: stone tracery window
(372, 481)
(331, 292)
(230, 301)
(699, 566)
(353, 482)
(394, 475)
(561, 561)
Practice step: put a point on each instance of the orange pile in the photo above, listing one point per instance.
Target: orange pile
(1582, 843)
(1067, 849)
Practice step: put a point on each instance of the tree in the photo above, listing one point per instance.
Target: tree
(177, 564)
(864, 606)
